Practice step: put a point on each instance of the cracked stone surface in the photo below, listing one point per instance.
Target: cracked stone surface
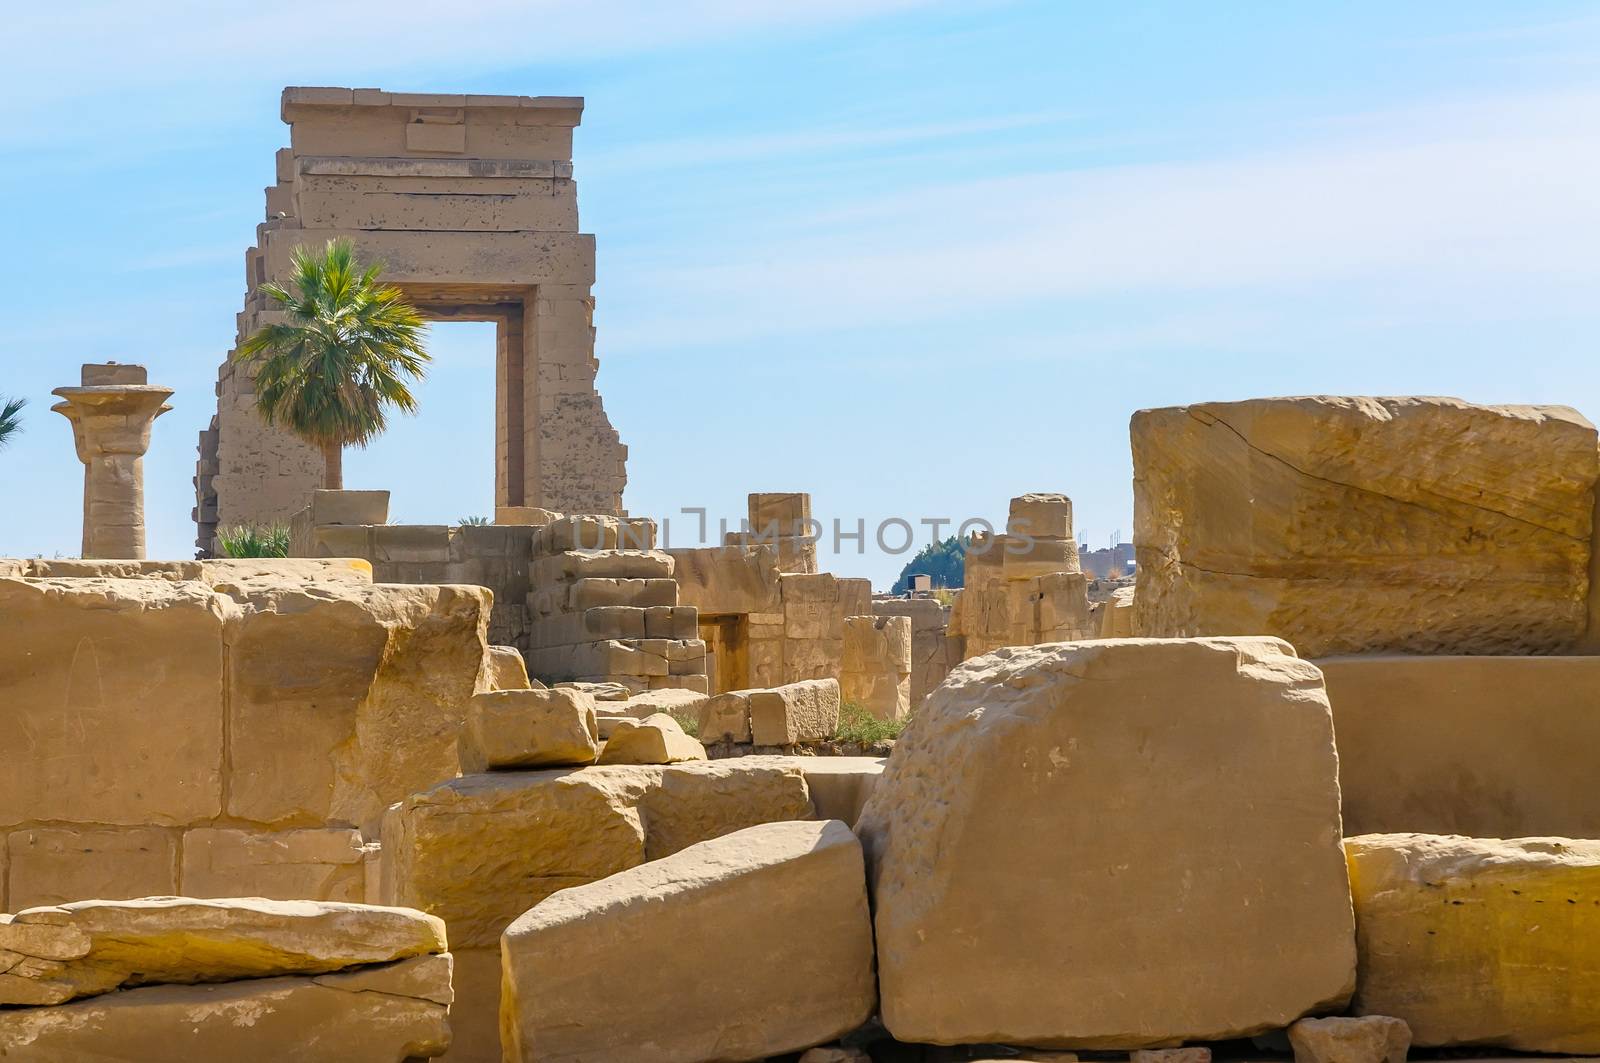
(1360, 525)
(55, 954)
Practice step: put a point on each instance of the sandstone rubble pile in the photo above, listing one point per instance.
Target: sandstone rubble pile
(236, 979)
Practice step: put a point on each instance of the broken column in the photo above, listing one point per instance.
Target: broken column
(111, 414)
(781, 520)
(1024, 587)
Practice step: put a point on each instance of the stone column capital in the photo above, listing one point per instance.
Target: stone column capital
(111, 415)
(114, 419)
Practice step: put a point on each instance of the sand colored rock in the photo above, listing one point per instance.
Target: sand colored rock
(382, 1014)
(481, 849)
(1368, 1039)
(343, 699)
(51, 955)
(1116, 615)
(1144, 764)
(840, 786)
(1170, 1055)
(125, 674)
(506, 670)
(933, 652)
(803, 712)
(1358, 525)
(1487, 747)
(876, 669)
(1480, 941)
(656, 739)
(529, 729)
(54, 865)
(725, 916)
(725, 717)
(327, 863)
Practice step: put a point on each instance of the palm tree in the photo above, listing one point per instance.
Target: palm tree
(10, 418)
(346, 354)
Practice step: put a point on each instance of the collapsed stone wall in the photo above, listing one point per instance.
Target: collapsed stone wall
(214, 729)
(469, 203)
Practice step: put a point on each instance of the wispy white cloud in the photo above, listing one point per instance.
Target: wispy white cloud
(1479, 201)
(80, 47)
(704, 151)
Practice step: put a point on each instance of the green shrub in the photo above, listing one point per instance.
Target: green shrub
(255, 540)
(689, 721)
(856, 724)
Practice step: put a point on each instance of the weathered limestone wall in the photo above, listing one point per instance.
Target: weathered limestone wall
(214, 729)
(1492, 747)
(875, 672)
(605, 608)
(354, 524)
(1023, 588)
(470, 204)
(765, 626)
(933, 651)
(1366, 525)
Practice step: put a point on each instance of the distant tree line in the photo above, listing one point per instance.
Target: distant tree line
(944, 561)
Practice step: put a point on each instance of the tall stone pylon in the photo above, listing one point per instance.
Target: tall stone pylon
(111, 415)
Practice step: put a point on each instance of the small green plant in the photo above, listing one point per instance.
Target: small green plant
(690, 722)
(255, 540)
(475, 522)
(856, 724)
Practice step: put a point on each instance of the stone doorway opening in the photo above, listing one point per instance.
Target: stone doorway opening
(727, 639)
(438, 465)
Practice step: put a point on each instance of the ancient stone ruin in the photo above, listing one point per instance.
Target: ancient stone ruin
(1317, 784)
(470, 203)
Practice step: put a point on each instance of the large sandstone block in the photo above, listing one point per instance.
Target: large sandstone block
(1357, 525)
(504, 669)
(725, 916)
(384, 1014)
(58, 953)
(795, 713)
(1480, 941)
(113, 701)
(656, 739)
(876, 670)
(320, 864)
(1488, 747)
(1067, 834)
(342, 700)
(480, 849)
(529, 729)
(52, 865)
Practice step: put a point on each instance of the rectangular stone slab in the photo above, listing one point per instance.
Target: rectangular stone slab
(97, 946)
(114, 679)
(1112, 845)
(1478, 941)
(368, 1015)
(1488, 747)
(768, 924)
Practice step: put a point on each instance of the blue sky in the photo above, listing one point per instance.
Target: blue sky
(911, 257)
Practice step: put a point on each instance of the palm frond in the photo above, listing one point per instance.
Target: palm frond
(350, 351)
(10, 418)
